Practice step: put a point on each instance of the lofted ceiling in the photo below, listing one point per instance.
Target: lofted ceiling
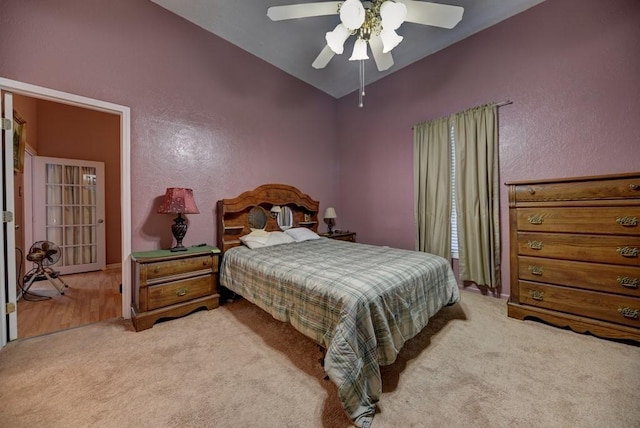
(292, 45)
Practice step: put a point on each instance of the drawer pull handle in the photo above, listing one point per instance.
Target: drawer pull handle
(182, 291)
(536, 270)
(536, 295)
(535, 245)
(634, 186)
(628, 282)
(156, 270)
(535, 219)
(532, 191)
(627, 221)
(630, 313)
(628, 252)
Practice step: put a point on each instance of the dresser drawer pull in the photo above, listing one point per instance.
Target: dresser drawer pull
(628, 282)
(535, 245)
(634, 186)
(536, 295)
(535, 219)
(156, 270)
(628, 252)
(532, 191)
(627, 221)
(630, 313)
(182, 291)
(536, 270)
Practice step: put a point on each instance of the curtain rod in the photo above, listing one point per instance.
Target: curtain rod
(500, 104)
(504, 103)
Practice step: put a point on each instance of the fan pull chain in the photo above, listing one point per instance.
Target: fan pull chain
(361, 95)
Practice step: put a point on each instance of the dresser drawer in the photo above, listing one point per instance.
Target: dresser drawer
(591, 248)
(617, 279)
(179, 266)
(615, 188)
(606, 307)
(170, 293)
(606, 220)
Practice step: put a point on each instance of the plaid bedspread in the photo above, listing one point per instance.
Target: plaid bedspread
(360, 302)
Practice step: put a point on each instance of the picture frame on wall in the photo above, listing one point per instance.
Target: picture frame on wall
(19, 142)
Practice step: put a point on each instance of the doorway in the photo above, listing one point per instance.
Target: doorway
(122, 268)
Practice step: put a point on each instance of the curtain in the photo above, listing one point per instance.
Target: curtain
(432, 188)
(477, 195)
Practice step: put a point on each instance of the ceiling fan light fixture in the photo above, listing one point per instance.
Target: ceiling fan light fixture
(352, 14)
(392, 14)
(390, 39)
(337, 37)
(359, 51)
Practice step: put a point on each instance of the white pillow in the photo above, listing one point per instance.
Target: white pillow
(260, 238)
(300, 234)
(257, 238)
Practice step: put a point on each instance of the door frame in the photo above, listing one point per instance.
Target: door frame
(124, 113)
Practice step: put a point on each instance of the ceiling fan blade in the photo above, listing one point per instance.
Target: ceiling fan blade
(384, 61)
(305, 10)
(323, 58)
(434, 14)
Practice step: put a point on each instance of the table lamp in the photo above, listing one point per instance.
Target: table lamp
(329, 218)
(178, 201)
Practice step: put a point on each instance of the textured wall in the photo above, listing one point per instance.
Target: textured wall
(572, 73)
(205, 114)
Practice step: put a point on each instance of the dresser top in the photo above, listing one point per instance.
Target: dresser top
(573, 179)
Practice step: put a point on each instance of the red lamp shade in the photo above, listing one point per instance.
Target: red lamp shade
(178, 201)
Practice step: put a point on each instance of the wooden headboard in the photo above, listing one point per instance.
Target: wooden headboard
(233, 214)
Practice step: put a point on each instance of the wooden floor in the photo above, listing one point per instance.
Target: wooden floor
(90, 298)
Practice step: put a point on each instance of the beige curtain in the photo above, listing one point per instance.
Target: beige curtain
(477, 195)
(432, 178)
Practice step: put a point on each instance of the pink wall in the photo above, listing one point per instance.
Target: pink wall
(205, 114)
(573, 74)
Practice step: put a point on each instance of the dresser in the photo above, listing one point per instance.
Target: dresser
(341, 236)
(575, 253)
(172, 284)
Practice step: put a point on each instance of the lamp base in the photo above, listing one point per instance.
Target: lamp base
(179, 229)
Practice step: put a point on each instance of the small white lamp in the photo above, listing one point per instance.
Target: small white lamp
(329, 218)
(275, 210)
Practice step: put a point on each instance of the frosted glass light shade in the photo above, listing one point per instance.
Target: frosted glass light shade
(337, 37)
(352, 14)
(359, 51)
(390, 39)
(392, 14)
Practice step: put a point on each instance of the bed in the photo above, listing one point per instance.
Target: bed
(359, 302)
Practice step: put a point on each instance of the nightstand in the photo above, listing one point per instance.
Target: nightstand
(172, 284)
(341, 236)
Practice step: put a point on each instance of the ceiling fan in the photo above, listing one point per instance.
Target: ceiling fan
(374, 23)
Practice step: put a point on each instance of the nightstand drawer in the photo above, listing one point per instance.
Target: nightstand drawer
(179, 266)
(179, 291)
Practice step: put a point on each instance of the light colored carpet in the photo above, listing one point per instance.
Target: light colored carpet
(236, 366)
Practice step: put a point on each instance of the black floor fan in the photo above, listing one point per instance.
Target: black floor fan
(44, 254)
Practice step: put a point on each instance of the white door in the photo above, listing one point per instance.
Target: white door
(8, 314)
(68, 210)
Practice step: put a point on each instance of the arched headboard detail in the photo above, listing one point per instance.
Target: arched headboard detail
(233, 214)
